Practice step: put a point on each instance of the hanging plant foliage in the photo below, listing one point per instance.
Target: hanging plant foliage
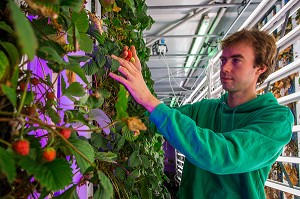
(41, 136)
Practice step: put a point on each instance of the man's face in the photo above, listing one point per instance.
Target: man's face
(237, 72)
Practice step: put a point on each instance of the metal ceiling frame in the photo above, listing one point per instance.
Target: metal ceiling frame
(167, 29)
(191, 79)
(212, 5)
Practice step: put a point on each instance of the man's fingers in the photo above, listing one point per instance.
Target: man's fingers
(117, 77)
(125, 48)
(133, 50)
(119, 59)
(124, 54)
(136, 58)
(125, 64)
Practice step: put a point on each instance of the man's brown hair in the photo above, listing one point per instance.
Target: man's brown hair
(263, 45)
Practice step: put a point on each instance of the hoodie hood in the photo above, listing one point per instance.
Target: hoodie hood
(230, 117)
(259, 102)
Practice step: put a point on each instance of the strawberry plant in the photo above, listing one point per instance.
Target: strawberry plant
(54, 64)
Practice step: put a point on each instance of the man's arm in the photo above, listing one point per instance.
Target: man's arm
(134, 81)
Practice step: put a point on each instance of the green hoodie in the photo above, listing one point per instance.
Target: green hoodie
(229, 151)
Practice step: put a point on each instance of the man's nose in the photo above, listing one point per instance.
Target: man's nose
(226, 67)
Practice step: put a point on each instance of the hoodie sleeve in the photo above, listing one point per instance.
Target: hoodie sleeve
(241, 150)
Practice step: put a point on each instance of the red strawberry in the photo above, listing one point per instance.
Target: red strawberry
(49, 154)
(30, 110)
(50, 96)
(22, 85)
(34, 81)
(21, 147)
(129, 55)
(66, 133)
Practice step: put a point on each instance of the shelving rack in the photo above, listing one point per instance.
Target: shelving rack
(210, 86)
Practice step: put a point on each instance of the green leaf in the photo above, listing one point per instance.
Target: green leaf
(63, 84)
(112, 47)
(26, 37)
(29, 98)
(55, 117)
(74, 66)
(54, 45)
(144, 190)
(10, 94)
(72, 116)
(50, 54)
(105, 93)
(120, 142)
(145, 161)
(94, 103)
(120, 173)
(100, 60)
(136, 173)
(54, 175)
(85, 43)
(74, 5)
(105, 190)
(83, 99)
(81, 21)
(90, 68)
(134, 159)
(44, 193)
(128, 134)
(131, 5)
(12, 52)
(4, 64)
(14, 79)
(115, 65)
(98, 141)
(106, 156)
(86, 149)
(7, 28)
(96, 34)
(79, 59)
(7, 165)
(116, 22)
(75, 89)
(121, 104)
(69, 194)
(42, 24)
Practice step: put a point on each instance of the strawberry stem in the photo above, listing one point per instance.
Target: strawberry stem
(4, 142)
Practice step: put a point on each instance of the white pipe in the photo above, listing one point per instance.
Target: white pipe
(196, 90)
(283, 187)
(281, 73)
(254, 14)
(261, 14)
(288, 39)
(281, 21)
(202, 94)
(288, 159)
(279, 14)
(289, 98)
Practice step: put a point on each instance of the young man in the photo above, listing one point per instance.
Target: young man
(229, 143)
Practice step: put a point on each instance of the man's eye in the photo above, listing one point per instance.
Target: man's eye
(236, 61)
(222, 61)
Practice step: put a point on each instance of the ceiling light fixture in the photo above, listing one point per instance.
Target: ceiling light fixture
(198, 43)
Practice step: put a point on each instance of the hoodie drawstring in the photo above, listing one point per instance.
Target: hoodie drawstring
(232, 121)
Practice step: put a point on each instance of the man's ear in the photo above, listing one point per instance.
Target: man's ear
(261, 69)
